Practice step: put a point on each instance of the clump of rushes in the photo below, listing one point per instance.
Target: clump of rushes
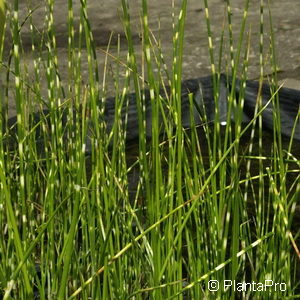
(205, 207)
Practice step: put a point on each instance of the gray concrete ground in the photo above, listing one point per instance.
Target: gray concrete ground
(105, 17)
